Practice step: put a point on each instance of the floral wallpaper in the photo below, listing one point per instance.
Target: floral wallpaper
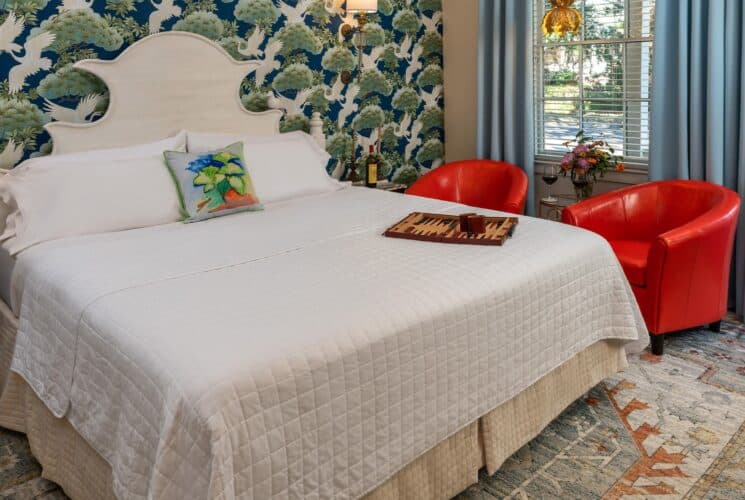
(396, 98)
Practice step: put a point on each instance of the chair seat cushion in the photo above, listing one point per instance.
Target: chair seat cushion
(633, 254)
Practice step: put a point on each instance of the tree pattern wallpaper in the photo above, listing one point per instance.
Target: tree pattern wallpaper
(396, 98)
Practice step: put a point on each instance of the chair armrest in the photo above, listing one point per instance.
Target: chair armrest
(716, 226)
(604, 214)
(426, 186)
(517, 194)
(694, 257)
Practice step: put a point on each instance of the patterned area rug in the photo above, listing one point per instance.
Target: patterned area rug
(667, 427)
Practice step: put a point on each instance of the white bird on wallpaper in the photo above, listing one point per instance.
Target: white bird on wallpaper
(9, 31)
(431, 98)
(404, 48)
(250, 48)
(432, 23)
(163, 12)
(85, 110)
(295, 14)
(370, 61)
(335, 93)
(401, 130)
(11, 155)
(269, 63)
(349, 105)
(334, 6)
(74, 5)
(31, 62)
(295, 106)
(415, 140)
(415, 64)
(365, 142)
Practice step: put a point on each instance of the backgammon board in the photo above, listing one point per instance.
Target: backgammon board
(446, 229)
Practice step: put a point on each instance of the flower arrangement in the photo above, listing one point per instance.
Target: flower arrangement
(586, 160)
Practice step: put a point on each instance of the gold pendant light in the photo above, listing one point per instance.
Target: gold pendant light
(562, 18)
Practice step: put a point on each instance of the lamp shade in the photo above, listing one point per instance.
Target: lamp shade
(562, 18)
(362, 5)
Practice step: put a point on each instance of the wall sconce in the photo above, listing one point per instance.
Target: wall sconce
(361, 8)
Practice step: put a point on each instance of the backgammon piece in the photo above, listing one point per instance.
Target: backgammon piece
(463, 219)
(476, 224)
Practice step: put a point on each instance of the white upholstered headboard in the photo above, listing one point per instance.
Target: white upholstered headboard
(160, 85)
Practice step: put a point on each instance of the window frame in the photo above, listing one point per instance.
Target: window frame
(633, 164)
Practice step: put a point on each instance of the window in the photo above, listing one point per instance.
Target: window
(598, 81)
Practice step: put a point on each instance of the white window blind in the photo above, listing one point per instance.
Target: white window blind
(598, 81)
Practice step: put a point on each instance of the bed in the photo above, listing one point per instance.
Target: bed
(305, 355)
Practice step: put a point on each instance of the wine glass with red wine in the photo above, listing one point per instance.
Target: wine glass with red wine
(550, 176)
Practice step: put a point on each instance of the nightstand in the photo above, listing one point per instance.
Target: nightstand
(553, 209)
(393, 187)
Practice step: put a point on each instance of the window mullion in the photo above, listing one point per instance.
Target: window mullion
(624, 80)
(633, 84)
(581, 87)
(539, 89)
(581, 76)
(599, 41)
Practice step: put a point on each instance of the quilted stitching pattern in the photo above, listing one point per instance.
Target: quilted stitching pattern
(285, 391)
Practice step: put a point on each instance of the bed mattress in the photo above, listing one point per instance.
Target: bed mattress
(296, 352)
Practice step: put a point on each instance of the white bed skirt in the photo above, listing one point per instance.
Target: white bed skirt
(442, 472)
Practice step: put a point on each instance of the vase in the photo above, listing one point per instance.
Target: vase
(583, 184)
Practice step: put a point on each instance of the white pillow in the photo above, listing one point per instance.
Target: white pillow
(10, 214)
(87, 193)
(282, 166)
(139, 150)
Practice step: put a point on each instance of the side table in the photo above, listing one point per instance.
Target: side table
(393, 187)
(551, 210)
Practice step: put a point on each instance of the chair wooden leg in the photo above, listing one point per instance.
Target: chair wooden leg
(658, 344)
(716, 326)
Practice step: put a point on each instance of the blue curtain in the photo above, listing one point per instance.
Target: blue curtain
(505, 100)
(698, 102)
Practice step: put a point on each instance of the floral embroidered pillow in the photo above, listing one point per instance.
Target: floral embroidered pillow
(212, 184)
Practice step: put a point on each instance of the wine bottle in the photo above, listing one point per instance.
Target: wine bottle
(371, 175)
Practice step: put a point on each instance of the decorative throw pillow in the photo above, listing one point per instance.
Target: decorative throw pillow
(212, 184)
(283, 166)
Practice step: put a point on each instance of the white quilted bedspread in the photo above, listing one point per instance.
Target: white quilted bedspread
(297, 353)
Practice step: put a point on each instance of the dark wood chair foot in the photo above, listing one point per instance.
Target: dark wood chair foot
(716, 326)
(658, 344)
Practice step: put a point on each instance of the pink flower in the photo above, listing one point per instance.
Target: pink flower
(568, 158)
(581, 148)
(582, 163)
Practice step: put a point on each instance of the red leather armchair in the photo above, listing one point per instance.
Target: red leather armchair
(494, 185)
(674, 241)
